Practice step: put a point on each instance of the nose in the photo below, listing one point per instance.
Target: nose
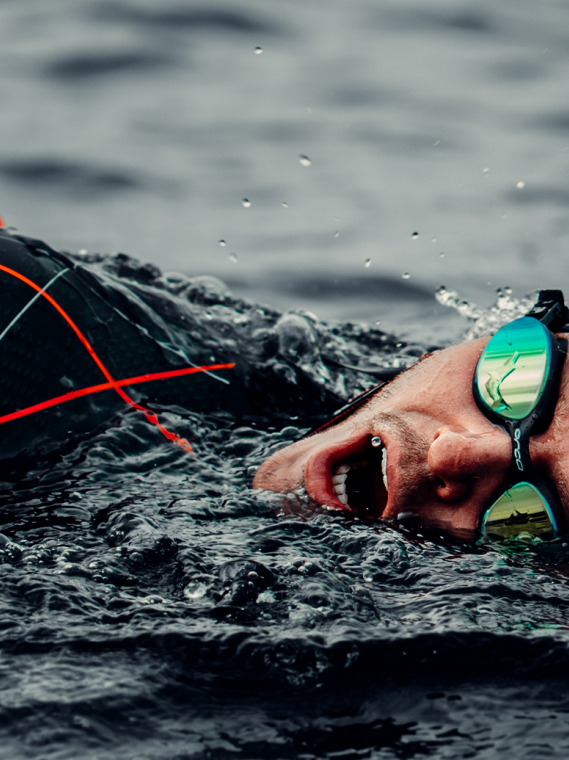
(460, 459)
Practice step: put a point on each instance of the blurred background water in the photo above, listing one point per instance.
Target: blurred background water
(349, 126)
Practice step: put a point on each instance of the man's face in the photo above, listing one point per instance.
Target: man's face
(442, 458)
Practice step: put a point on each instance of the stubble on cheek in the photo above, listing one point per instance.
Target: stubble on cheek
(415, 478)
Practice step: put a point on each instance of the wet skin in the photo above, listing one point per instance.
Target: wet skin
(444, 458)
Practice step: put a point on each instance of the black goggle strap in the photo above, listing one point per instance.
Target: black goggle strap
(550, 309)
(344, 411)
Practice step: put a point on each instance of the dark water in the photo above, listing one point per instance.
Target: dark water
(152, 606)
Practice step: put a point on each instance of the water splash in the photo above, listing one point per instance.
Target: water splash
(487, 321)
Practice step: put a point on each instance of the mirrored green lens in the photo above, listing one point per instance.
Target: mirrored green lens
(513, 369)
(521, 509)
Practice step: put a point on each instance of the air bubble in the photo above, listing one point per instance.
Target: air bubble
(336, 234)
(246, 202)
(285, 204)
(368, 577)
(376, 441)
(433, 240)
(441, 255)
(222, 243)
(521, 184)
(415, 235)
(486, 170)
(258, 50)
(367, 262)
(83, 252)
(405, 275)
(233, 258)
(304, 160)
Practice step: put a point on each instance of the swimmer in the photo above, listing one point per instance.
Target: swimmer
(471, 440)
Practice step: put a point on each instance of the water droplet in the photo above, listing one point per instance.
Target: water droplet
(521, 184)
(367, 262)
(376, 441)
(233, 257)
(246, 202)
(415, 235)
(405, 275)
(285, 204)
(486, 170)
(304, 160)
(258, 50)
(336, 234)
(367, 576)
(441, 255)
(222, 243)
(195, 591)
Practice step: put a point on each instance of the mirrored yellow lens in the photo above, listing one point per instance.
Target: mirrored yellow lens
(513, 369)
(521, 509)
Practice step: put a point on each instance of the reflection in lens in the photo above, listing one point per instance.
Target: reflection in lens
(513, 369)
(521, 509)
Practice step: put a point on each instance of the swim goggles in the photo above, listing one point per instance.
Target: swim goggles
(516, 386)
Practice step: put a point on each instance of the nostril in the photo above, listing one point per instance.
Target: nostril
(451, 491)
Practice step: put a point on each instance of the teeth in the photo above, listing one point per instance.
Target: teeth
(384, 468)
(339, 477)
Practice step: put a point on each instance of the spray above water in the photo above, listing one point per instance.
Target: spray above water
(505, 309)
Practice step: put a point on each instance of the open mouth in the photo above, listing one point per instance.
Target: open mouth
(360, 481)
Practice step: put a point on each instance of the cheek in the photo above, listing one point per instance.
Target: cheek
(460, 521)
(440, 389)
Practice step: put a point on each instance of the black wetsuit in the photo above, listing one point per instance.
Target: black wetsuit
(135, 329)
(287, 367)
